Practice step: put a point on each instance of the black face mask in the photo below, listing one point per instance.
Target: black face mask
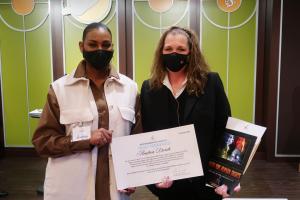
(99, 59)
(174, 61)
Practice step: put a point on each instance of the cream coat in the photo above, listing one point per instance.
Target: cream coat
(73, 177)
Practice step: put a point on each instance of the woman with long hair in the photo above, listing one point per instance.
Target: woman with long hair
(182, 91)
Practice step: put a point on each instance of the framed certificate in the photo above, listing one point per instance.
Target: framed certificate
(148, 158)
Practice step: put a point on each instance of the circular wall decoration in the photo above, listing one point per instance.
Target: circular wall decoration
(164, 2)
(22, 7)
(160, 5)
(80, 23)
(226, 27)
(89, 11)
(229, 5)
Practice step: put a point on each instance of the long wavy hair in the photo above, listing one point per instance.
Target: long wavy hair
(196, 69)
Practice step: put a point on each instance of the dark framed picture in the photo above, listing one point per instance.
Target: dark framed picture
(234, 148)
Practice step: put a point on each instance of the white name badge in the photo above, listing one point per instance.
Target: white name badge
(81, 133)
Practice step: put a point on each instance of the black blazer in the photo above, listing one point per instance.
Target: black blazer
(208, 112)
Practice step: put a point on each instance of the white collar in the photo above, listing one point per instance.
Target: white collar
(167, 83)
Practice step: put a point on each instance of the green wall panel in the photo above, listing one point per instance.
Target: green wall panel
(173, 15)
(73, 35)
(146, 13)
(39, 13)
(5, 1)
(229, 45)
(26, 70)
(14, 87)
(210, 8)
(39, 68)
(242, 70)
(145, 42)
(214, 48)
(10, 17)
(243, 13)
(148, 25)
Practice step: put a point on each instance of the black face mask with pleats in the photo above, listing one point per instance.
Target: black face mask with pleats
(174, 61)
(99, 59)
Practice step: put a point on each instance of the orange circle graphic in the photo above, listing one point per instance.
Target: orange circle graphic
(160, 5)
(229, 5)
(23, 7)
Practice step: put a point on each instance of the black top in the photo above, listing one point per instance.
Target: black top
(175, 108)
(208, 112)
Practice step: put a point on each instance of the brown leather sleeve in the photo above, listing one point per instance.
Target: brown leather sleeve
(49, 138)
(137, 128)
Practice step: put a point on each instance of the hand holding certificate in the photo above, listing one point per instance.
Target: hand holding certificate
(147, 158)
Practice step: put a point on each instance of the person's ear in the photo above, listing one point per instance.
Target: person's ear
(81, 46)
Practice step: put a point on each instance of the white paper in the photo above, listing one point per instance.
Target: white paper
(36, 113)
(81, 133)
(147, 158)
(246, 127)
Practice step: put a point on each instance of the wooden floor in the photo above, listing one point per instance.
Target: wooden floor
(21, 176)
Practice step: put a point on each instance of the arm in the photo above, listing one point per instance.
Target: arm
(137, 127)
(222, 109)
(49, 138)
